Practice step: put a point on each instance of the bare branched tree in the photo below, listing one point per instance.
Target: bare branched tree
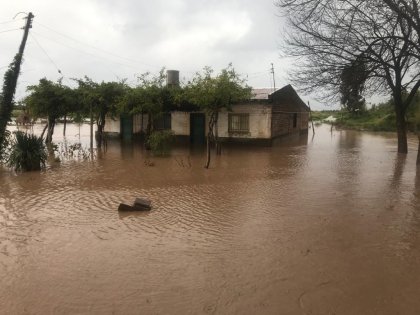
(328, 36)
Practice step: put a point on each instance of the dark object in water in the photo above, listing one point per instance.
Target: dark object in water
(139, 202)
(139, 205)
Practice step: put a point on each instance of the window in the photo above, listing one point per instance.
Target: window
(294, 120)
(239, 123)
(163, 122)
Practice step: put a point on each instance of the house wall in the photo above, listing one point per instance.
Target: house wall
(180, 123)
(259, 121)
(265, 123)
(304, 121)
(112, 126)
(139, 123)
(282, 122)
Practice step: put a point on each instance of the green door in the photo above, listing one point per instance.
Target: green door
(197, 128)
(126, 127)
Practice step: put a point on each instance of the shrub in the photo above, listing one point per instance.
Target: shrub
(160, 142)
(27, 152)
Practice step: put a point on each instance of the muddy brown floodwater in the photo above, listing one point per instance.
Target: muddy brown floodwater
(329, 225)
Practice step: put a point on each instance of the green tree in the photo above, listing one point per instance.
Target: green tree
(213, 94)
(100, 100)
(107, 105)
(88, 97)
(152, 97)
(51, 100)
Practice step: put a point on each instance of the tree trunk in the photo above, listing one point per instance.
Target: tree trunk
(50, 130)
(401, 129)
(210, 137)
(101, 127)
(65, 125)
(216, 136)
(418, 152)
(208, 152)
(43, 131)
(99, 136)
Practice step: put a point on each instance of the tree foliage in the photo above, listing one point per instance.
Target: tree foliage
(151, 96)
(101, 99)
(215, 93)
(352, 86)
(51, 100)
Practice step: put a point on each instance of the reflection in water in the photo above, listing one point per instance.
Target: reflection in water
(329, 225)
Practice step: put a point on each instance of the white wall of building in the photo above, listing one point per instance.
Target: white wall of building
(180, 123)
(139, 123)
(112, 125)
(259, 121)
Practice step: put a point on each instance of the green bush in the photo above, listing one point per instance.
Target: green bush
(27, 152)
(160, 142)
(16, 113)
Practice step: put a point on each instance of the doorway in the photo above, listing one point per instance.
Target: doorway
(197, 128)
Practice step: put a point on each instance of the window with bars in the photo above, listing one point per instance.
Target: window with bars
(163, 122)
(239, 123)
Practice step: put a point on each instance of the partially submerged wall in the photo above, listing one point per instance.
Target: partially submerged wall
(259, 126)
(180, 123)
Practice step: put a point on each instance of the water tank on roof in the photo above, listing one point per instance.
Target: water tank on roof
(172, 78)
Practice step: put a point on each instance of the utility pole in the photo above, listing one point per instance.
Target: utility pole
(312, 121)
(28, 25)
(274, 79)
(10, 82)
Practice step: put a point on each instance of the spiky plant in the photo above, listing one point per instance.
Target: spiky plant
(27, 153)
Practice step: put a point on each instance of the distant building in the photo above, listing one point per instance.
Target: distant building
(266, 116)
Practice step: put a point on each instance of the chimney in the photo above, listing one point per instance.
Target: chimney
(172, 78)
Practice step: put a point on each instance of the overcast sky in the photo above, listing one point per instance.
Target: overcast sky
(111, 40)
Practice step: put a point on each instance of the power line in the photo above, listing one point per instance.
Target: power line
(93, 47)
(85, 52)
(7, 22)
(14, 29)
(257, 75)
(39, 45)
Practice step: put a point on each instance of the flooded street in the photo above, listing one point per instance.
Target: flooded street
(329, 225)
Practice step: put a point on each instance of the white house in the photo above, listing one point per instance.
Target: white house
(261, 119)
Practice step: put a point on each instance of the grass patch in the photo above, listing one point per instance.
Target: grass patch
(370, 120)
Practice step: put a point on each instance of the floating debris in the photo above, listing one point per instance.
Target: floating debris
(140, 204)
